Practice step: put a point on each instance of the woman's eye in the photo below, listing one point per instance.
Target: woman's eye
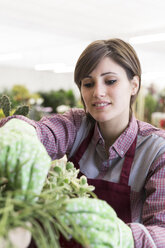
(110, 82)
(87, 85)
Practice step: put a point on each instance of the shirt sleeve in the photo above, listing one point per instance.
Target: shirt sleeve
(151, 232)
(57, 132)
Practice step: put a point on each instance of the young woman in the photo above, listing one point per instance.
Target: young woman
(122, 157)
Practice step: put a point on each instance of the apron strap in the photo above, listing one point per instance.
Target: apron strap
(126, 169)
(81, 149)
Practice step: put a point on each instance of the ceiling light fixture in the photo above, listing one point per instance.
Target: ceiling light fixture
(147, 38)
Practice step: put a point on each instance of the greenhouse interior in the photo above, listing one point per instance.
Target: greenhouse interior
(82, 124)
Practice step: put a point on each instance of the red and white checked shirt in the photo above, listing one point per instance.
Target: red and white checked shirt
(62, 134)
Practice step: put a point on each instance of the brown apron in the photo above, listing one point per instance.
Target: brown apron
(115, 194)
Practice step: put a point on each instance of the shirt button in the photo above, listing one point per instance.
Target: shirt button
(122, 152)
(105, 164)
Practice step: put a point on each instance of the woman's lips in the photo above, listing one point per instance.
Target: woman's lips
(101, 104)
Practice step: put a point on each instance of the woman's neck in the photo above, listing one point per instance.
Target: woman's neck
(111, 131)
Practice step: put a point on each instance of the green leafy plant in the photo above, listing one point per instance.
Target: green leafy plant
(44, 215)
(5, 105)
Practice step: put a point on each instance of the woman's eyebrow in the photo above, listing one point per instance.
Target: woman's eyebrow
(102, 74)
(109, 72)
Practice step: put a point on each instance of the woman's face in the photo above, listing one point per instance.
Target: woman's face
(106, 92)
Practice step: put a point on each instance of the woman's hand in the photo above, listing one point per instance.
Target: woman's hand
(99, 223)
(24, 161)
(18, 237)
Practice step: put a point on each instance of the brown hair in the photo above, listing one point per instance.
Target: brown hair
(118, 50)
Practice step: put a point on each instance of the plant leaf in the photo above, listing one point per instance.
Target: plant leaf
(23, 110)
(6, 105)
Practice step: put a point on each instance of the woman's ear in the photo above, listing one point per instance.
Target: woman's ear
(134, 85)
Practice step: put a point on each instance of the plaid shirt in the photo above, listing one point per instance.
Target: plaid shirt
(61, 134)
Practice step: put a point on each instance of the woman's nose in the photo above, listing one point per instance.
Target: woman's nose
(99, 91)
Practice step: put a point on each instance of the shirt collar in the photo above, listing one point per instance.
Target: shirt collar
(123, 142)
(97, 137)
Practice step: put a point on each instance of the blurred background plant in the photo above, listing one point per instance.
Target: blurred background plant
(154, 108)
(57, 98)
(150, 102)
(162, 101)
(20, 95)
(40, 103)
(150, 106)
